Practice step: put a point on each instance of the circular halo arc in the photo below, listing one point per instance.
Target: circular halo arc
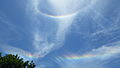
(36, 3)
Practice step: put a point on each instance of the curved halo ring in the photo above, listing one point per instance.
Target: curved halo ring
(36, 4)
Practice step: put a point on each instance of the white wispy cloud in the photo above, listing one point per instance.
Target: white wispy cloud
(41, 45)
(64, 15)
(46, 41)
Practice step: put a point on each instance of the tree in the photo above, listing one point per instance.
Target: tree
(14, 61)
(0, 54)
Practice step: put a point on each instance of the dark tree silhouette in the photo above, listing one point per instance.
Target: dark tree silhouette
(14, 61)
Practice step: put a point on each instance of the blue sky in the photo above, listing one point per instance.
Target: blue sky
(62, 33)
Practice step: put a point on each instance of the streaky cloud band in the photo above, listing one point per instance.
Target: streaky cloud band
(13, 50)
(103, 52)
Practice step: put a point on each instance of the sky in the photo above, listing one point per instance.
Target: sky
(62, 33)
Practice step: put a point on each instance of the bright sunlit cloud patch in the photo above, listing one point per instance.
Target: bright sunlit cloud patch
(62, 8)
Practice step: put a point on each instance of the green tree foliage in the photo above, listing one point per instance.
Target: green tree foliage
(14, 61)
